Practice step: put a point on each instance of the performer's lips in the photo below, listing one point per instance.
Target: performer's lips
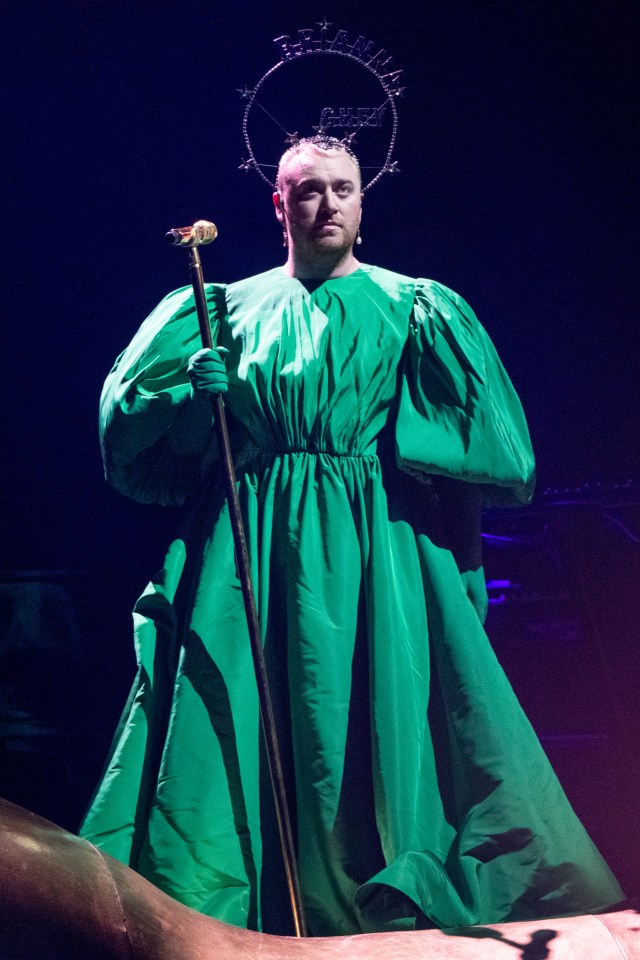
(328, 225)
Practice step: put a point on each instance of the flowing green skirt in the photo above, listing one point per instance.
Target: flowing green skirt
(420, 793)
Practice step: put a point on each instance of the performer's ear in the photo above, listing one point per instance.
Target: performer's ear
(277, 202)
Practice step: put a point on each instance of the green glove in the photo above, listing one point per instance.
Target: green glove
(476, 588)
(207, 372)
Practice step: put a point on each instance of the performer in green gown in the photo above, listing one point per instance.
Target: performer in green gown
(369, 414)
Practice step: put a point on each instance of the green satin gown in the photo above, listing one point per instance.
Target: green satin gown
(420, 793)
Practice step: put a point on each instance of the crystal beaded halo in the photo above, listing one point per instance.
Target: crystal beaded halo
(359, 68)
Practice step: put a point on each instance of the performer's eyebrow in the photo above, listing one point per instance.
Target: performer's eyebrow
(315, 182)
(311, 182)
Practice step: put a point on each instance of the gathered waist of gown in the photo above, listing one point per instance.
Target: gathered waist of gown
(252, 456)
(293, 451)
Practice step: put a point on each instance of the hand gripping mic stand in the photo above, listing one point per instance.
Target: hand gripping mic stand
(191, 238)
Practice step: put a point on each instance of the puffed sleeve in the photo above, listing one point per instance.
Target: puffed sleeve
(459, 415)
(155, 441)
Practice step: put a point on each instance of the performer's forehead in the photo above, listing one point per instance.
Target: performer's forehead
(296, 161)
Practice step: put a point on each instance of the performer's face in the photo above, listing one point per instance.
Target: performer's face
(320, 202)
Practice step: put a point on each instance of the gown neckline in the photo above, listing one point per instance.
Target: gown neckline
(311, 284)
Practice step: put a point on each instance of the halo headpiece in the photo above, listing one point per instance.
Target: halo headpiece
(272, 94)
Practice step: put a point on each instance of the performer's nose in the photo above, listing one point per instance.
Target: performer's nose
(329, 201)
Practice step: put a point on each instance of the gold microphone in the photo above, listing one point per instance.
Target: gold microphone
(201, 233)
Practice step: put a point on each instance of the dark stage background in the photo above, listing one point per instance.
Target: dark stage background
(518, 150)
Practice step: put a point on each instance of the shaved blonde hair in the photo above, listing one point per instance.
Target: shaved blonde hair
(319, 144)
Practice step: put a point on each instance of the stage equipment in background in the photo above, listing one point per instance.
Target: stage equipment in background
(564, 619)
(326, 83)
(43, 727)
(203, 232)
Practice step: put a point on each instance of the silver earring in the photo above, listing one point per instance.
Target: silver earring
(358, 238)
(285, 238)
